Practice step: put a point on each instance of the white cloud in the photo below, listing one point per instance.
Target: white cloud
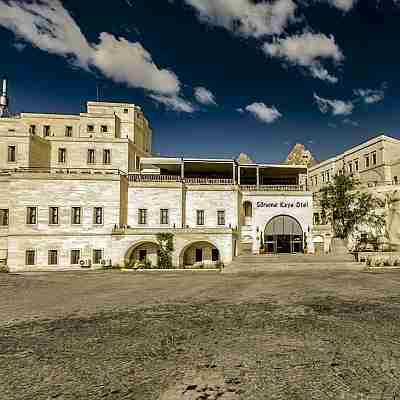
(127, 62)
(263, 113)
(344, 5)
(204, 96)
(349, 121)
(19, 46)
(175, 103)
(245, 17)
(336, 107)
(48, 26)
(306, 50)
(370, 96)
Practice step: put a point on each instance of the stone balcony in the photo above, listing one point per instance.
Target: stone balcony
(176, 178)
(127, 230)
(274, 188)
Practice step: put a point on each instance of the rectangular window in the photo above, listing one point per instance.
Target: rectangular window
(75, 257)
(68, 131)
(46, 130)
(328, 178)
(31, 215)
(104, 128)
(164, 220)
(91, 156)
(137, 162)
(98, 215)
(350, 168)
(32, 129)
(53, 257)
(374, 158)
(142, 217)
(221, 217)
(53, 215)
(76, 215)
(316, 219)
(11, 154)
(90, 128)
(356, 165)
(62, 155)
(30, 257)
(200, 217)
(323, 177)
(4, 217)
(125, 111)
(97, 256)
(367, 161)
(107, 156)
(395, 180)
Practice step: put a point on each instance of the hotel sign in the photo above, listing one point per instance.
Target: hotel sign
(282, 204)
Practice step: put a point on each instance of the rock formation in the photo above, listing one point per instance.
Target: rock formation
(244, 159)
(300, 156)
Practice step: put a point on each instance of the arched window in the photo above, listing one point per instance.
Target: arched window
(248, 209)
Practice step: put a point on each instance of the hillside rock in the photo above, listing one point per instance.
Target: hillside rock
(300, 156)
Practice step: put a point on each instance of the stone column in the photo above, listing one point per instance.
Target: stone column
(258, 176)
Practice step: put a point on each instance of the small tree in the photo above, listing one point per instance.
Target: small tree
(348, 210)
(166, 243)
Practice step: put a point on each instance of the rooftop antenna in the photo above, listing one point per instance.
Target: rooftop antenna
(4, 112)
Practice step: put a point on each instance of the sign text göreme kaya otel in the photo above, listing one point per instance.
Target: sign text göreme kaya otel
(283, 204)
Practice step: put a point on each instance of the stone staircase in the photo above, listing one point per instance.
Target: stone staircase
(248, 262)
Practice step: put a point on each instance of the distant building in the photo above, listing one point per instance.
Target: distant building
(374, 163)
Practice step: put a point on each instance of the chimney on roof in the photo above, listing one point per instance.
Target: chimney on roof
(4, 99)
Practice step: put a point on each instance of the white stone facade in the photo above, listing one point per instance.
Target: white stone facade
(64, 201)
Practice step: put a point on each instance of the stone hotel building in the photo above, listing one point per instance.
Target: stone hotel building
(85, 189)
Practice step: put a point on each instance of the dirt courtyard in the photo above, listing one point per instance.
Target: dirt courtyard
(306, 334)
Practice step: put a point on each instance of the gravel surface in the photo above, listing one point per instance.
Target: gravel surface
(311, 334)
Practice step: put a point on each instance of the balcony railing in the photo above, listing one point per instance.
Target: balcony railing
(208, 181)
(177, 178)
(61, 170)
(273, 188)
(154, 178)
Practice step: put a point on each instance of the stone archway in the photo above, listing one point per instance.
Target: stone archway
(201, 252)
(283, 234)
(144, 251)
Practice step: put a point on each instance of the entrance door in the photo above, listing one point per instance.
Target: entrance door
(199, 255)
(283, 244)
(142, 255)
(284, 234)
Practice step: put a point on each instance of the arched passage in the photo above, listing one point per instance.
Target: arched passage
(283, 234)
(200, 252)
(143, 251)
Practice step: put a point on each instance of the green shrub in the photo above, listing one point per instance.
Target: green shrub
(166, 243)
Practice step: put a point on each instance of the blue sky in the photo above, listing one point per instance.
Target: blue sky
(215, 77)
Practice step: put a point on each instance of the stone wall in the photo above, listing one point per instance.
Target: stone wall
(153, 199)
(212, 200)
(40, 152)
(266, 206)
